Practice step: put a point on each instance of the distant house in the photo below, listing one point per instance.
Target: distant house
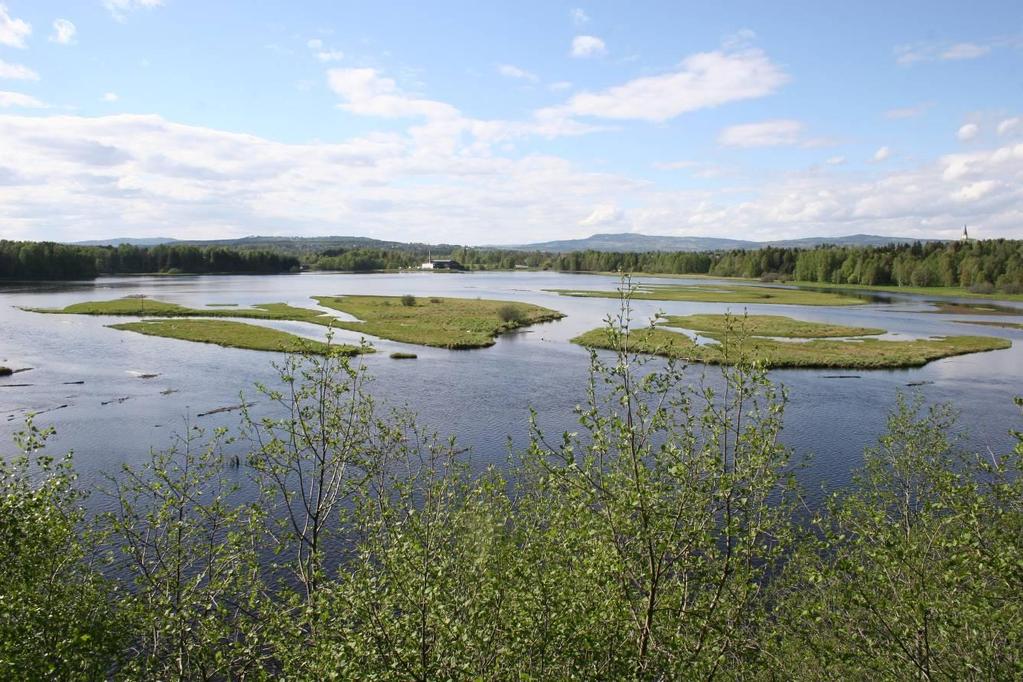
(441, 265)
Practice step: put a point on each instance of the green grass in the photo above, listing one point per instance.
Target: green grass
(765, 325)
(233, 335)
(723, 293)
(153, 308)
(440, 322)
(992, 323)
(948, 308)
(820, 353)
(960, 292)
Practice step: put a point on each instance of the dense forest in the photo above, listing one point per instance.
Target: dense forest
(664, 540)
(52, 261)
(982, 266)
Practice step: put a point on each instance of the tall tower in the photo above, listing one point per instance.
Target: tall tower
(966, 235)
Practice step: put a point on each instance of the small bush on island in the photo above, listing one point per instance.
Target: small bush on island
(510, 314)
(6, 371)
(408, 300)
(403, 356)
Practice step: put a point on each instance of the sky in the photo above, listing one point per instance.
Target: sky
(510, 122)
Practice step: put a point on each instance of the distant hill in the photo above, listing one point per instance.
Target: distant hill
(132, 241)
(631, 242)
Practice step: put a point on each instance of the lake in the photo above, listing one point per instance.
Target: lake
(482, 396)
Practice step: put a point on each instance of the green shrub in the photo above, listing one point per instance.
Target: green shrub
(403, 356)
(6, 371)
(511, 314)
(408, 300)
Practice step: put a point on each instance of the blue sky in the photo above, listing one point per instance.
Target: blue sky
(505, 123)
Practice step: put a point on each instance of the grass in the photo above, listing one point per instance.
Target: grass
(992, 323)
(819, 353)
(152, 308)
(947, 308)
(403, 356)
(765, 325)
(456, 323)
(233, 335)
(723, 293)
(959, 292)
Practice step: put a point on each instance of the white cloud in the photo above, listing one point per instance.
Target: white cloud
(324, 54)
(764, 134)
(935, 52)
(965, 51)
(703, 80)
(835, 161)
(512, 71)
(63, 32)
(968, 132)
(1009, 125)
(17, 99)
(909, 112)
(110, 97)
(13, 32)
(882, 154)
(368, 93)
(602, 215)
(559, 86)
(579, 16)
(119, 9)
(974, 190)
(17, 72)
(588, 46)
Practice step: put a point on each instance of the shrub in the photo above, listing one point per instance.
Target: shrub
(403, 356)
(6, 371)
(511, 314)
(982, 288)
(408, 300)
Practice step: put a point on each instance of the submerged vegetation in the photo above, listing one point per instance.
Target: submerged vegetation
(993, 323)
(441, 322)
(663, 540)
(235, 335)
(456, 323)
(723, 293)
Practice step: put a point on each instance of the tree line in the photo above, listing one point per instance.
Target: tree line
(665, 539)
(53, 261)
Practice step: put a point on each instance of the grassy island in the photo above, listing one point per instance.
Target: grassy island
(234, 335)
(765, 325)
(992, 323)
(456, 323)
(951, 308)
(722, 293)
(818, 352)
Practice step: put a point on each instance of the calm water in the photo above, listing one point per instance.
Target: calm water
(481, 396)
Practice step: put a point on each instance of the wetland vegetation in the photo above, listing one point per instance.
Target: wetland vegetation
(724, 293)
(765, 325)
(233, 334)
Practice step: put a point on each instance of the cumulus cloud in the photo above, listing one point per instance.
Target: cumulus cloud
(512, 71)
(119, 9)
(63, 32)
(365, 91)
(965, 51)
(13, 31)
(588, 46)
(17, 72)
(602, 215)
(1010, 125)
(882, 154)
(17, 99)
(914, 53)
(764, 134)
(968, 132)
(703, 80)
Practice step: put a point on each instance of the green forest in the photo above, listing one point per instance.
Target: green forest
(987, 266)
(52, 261)
(664, 539)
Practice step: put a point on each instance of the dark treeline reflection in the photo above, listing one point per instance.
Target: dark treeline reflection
(664, 539)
